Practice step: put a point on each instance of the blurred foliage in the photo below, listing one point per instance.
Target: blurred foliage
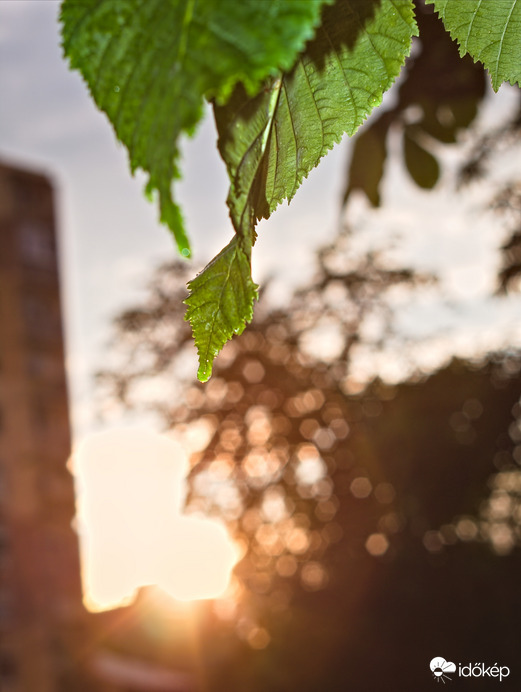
(380, 524)
(437, 98)
(436, 105)
(373, 522)
(506, 200)
(350, 288)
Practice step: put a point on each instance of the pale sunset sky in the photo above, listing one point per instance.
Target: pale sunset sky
(110, 242)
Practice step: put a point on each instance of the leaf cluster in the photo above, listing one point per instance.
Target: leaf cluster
(287, 79)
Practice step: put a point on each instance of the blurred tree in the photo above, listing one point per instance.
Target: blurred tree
(359, 512)
(380, 524)
(435, 103)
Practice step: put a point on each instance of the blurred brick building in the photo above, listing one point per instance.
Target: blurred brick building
(41, 614)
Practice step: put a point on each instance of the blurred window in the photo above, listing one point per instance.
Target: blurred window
(37, 245)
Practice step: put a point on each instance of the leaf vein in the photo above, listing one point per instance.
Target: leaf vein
(507, 22)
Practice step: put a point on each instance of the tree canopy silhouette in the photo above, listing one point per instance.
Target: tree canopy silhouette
(380, 523)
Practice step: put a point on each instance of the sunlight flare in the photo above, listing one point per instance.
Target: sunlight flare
(131, 492)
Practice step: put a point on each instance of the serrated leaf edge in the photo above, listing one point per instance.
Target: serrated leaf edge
(206, 354)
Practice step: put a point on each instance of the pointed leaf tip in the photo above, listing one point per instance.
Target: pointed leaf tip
(220, 303)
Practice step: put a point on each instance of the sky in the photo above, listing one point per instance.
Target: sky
(110, 240)
(109, 235)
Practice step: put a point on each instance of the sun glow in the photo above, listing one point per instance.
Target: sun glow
(131, 490)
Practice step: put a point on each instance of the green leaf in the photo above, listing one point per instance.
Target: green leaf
(272, 141)
(220, 303)
(490, 30)
(149, 63)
